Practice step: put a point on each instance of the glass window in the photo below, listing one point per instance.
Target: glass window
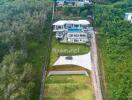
(76, 35)
(82, 35)
(76, 40)
(76, 25)
(70, 35)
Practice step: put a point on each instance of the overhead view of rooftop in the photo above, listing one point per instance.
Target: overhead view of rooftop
(65, 49)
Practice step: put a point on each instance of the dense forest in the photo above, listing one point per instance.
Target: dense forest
(24, 33)
(115, 44)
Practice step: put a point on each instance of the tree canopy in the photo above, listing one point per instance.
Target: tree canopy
(22, 22)
(115, 41)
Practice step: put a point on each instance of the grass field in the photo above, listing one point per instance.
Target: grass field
(68, 87)
(65, 49)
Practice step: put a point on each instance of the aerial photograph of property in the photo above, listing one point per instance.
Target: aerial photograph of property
(65, 49)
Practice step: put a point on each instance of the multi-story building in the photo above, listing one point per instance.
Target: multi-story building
(71, 30)
(76, 35)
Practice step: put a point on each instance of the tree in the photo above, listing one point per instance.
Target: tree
(16, 80)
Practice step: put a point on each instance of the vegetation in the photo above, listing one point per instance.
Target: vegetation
(65, 49)
(63, 87)
(115, 43)
(16, 78)
(73, 12)
(67, 68)
(24, 34)
(73, 87)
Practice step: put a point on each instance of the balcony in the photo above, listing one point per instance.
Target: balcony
(59, 35)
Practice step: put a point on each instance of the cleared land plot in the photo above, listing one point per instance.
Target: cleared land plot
(68, 87)
(66, 49)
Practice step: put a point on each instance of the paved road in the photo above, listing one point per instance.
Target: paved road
(95, 67)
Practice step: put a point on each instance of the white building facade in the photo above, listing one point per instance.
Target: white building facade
(79, 37)
(64, 25)
(128, 17)
(72, 31)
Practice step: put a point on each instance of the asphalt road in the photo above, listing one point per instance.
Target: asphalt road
(95, 69)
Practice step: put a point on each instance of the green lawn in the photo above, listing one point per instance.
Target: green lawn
(68, 87)
(66, 49)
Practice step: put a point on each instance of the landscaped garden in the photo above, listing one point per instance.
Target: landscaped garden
(68, 87)
(66, 49)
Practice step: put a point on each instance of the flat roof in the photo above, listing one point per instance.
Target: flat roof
(62, 22)
(83, 22)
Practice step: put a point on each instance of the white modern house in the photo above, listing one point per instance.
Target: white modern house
(64, 25)
(71, 30)
(128, 17)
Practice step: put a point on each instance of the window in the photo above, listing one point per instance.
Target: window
(82, 35)
(76, 35)
(70, 35)
(76, 40)
(59, 27)
(76, 25)
(69, 25)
